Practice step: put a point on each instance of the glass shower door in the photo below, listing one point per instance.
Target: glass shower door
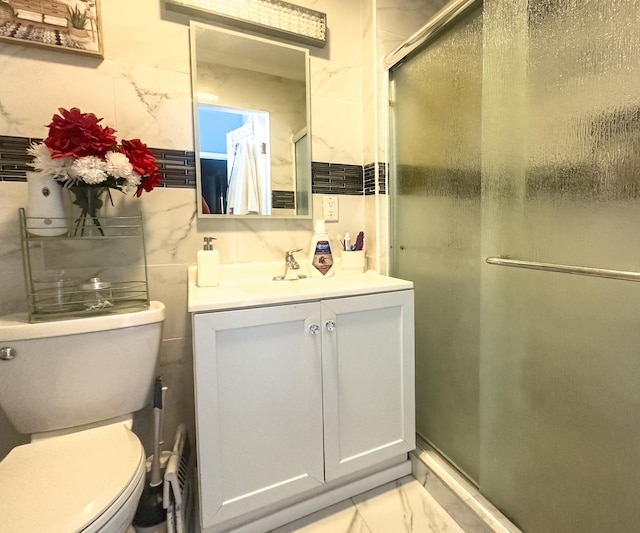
(559, 366)
(516, 134)
(436, 215)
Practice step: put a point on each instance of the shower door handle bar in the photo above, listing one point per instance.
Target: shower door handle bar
(566, 269)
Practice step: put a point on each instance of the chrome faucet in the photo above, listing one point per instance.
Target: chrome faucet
(290, 266)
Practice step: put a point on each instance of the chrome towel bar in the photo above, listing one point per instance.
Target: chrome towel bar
(566, 269)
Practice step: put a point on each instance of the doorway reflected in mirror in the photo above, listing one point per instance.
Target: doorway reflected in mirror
(235, 165)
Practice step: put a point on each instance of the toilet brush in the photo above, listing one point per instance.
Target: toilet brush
(150, 510)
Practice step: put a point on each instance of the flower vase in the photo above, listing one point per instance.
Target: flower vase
(90, 201)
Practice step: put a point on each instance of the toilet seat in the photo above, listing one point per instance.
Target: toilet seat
(75, 482)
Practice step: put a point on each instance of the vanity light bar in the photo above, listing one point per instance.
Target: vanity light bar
(271, 17)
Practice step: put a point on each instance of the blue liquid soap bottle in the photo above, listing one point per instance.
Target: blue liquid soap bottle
(320, 256)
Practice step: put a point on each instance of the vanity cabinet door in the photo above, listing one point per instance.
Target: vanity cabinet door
(258, 386)
(368, 380)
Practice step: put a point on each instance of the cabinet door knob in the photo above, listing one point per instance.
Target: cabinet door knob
(331, 325)
(7, 353)
(314, 329)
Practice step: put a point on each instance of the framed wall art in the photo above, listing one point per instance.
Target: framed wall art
(69, 25)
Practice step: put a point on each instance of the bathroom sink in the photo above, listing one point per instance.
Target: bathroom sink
(299, 286)
(255, 291)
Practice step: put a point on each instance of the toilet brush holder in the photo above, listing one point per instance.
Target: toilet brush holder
(151, 515)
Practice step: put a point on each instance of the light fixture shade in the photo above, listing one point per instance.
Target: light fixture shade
(271, 17)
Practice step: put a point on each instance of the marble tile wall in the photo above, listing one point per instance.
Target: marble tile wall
(142, 89)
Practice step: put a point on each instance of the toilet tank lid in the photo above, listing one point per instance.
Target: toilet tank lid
(65, 483)
(16, 327)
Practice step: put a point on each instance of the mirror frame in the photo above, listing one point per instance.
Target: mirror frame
(194, 27)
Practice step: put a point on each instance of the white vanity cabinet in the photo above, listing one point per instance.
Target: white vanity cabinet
(368, 380)
(296, 399)
(258, 385)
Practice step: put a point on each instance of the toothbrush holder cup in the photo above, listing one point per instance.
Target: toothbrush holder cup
(354, 262)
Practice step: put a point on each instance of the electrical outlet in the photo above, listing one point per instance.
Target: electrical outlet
(330, 208)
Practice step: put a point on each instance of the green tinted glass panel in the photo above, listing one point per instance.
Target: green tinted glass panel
(436, 212)
(524, 143)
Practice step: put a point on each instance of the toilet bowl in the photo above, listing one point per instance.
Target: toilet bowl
(72, 389)
(77, 482)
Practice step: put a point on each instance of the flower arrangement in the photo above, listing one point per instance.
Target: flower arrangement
(85, 157)
(79, 151)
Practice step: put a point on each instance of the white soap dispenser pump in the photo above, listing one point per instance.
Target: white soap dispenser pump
(208, 265)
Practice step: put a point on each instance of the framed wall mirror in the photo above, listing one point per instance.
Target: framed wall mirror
(252, 125)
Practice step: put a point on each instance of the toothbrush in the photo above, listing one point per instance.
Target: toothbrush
(347, 241)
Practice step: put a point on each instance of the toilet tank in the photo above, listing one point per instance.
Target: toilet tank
(69, 373)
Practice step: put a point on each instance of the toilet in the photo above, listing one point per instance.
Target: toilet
(73, 386)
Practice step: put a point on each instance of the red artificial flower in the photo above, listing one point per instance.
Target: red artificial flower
(149, 182)
(143, 162)
(77, 134)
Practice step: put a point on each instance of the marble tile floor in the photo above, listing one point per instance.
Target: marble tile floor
(405, 505)
(436, 498)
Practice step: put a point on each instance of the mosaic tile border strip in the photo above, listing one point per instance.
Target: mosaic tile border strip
(14, 158)
(178, 169)
(382, 177)
(336, 178)
(370, 178)
(283, 200)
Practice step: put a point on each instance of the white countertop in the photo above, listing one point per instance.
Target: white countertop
(241, 292)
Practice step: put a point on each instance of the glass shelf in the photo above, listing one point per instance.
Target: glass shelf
(60, 269)
(68, 228)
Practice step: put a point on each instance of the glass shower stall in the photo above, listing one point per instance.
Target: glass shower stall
(515, 194)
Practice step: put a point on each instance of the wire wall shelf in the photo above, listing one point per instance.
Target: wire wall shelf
(72, 271)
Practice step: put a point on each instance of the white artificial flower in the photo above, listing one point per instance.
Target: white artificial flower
(133, 180)
(118, 165)
(43, 162)
(90, 169)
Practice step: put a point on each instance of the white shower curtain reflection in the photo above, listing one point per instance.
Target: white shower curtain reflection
(244, 193)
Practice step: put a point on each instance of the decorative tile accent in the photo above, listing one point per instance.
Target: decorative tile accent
(14, 157)
(382, 178)
(370, 179)
(178, 169)
(283, 200)
(335, 178)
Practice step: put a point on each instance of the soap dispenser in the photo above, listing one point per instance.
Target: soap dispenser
(208, 265)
